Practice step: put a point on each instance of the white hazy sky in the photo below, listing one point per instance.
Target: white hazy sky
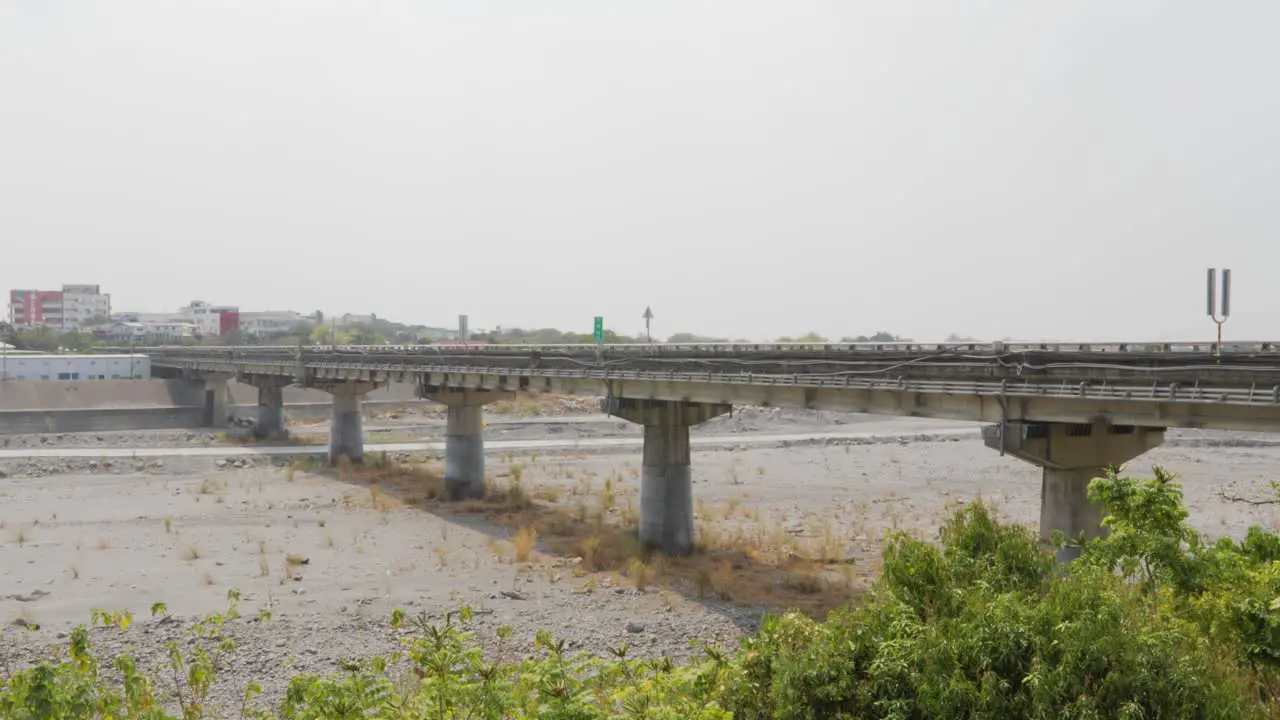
(748, 168)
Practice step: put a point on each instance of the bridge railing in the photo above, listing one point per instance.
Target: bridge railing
(987, 349)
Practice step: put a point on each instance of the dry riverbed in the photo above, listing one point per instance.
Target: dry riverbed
(331, 553)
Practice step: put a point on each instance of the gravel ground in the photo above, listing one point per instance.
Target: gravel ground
(84, 534)
(572, 418)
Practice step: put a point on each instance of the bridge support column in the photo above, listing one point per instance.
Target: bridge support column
(666, 483)
(346, 431)
(463, 439)
(269, 424)
(1071, 456)
(216, 400)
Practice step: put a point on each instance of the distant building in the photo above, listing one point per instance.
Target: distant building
(270, 322)
(162, 333)
(348, 319)
(71, 308)
(212, 320)
(74, 367)
(84, 305)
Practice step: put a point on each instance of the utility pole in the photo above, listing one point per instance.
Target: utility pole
(1214, 300)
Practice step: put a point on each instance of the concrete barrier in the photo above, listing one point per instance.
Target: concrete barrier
(96, 394)
(98, 420)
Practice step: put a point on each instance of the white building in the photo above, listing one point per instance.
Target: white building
(270, 322)
(83, 305)
(128, 331)
(211, 320)
(74, 367)
(170, 332)
(152, 332)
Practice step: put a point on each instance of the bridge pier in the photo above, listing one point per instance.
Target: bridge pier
(666, 483)
(1071, 456)
(269, 425)
(216, 399)
(464, 439)
(346, 432)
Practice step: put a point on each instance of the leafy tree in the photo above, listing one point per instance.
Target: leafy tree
(364, 334)
(809, 337)
(879, 337)
(328, 335)
(1230, 590)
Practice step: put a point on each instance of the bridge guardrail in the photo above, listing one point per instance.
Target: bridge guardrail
(1265, 347)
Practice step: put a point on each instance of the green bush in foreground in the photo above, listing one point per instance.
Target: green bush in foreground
(1150, 622)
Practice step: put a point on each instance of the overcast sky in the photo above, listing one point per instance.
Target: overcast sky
(747, 168)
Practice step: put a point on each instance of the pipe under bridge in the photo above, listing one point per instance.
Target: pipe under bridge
(1070, 408)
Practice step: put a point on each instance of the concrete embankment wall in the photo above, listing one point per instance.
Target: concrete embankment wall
(37, 406)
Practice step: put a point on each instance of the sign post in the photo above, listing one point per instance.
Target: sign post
(648, 315)
(1214, 300)
(599, 329)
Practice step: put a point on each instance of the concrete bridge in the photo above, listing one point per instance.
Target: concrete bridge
(1070, 408)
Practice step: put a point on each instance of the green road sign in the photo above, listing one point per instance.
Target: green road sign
(599, 331)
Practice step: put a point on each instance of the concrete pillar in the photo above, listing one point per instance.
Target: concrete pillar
(1071, 456)
(666, 481)
(666, 489)
(464, 452)
(346, 433)
(463, 439)
(270, 422)
(216, 400)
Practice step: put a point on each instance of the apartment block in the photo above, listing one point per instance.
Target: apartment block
(72, 307)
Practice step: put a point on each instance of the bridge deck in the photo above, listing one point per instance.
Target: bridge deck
(1117, 383)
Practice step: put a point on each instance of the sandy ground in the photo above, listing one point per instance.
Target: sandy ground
(332, 553)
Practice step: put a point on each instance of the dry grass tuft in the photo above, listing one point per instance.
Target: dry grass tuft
(640, 572)
(525, 540)
(741, 555)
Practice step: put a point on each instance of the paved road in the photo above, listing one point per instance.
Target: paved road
(491, 446)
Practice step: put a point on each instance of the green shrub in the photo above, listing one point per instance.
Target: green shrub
(1229, 591)
(982, 626)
